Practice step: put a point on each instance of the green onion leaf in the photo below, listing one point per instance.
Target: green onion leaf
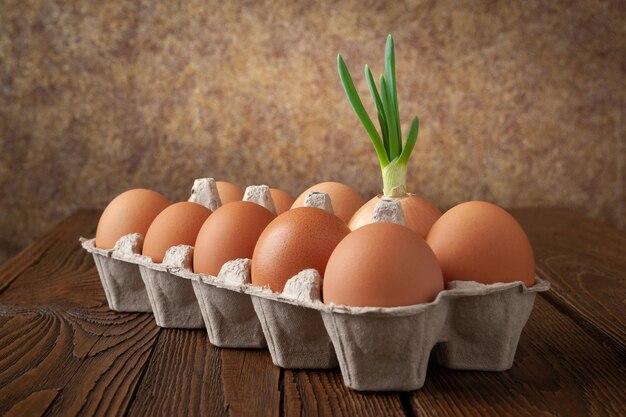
(394, 149)
(383, 128)
(379, 107)
(357, 105)
(411, 138)
(390, 74)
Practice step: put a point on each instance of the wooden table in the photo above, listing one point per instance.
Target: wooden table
(63, 352)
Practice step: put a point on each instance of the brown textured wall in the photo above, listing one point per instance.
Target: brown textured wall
(521, 103)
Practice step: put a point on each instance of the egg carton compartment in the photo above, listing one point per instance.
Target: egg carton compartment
(484, 324)
(296, 336)
(295, 332)
(133, 283)
(470, 326)
(173, 300)
(122, 283)
(226, 308)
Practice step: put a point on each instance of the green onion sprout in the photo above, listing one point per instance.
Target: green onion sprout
(393, 155)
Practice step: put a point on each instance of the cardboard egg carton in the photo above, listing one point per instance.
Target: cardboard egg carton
(181, 301)
(471, 326)
(173, 300)
(133, 283)
(227, 310)
(121, 280)
(468, 326)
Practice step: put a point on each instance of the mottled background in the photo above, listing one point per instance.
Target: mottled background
(521, 103)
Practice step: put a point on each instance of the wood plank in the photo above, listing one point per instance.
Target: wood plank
(559, 370)
(34, 405)
(322, 393)
(71, 362)
(585, 261)
(65, 234)
(102, 357)
(251, 383)
(59, 272)
(182, 378)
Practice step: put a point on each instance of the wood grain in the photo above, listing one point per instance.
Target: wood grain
(71, 362)
(251, 383)
(61, 273)
(559, 370)
(322, 393)
(585, 261)
(59, 239)
(182, 378)
(62, 352)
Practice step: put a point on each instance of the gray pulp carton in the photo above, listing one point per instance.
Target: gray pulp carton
(240, 315)
(470, 325)
(173, 300)
(295, 332)
(133, 283)
(226, 309)
(121, 280)
(293, 326)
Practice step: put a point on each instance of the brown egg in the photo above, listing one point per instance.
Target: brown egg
(228, 191)
(298, 239)
(344, 199)
(419, 214)
(178, 224)
(382, 265)
(130, 212)
(282, 200)
(479, 241)
(231, 232)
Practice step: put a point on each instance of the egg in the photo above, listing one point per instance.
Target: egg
(178, 224)
(344, 199)
(231, 232)
(228, 191)
(282, 200)
(382, 265)
(419, 213)
(479, 241)
(130, 212)
(298, 239)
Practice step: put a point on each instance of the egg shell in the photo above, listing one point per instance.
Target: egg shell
(344, 199)
(382, 265)
(282, 200)
(298, 239)
(130, 212)
(178, 224)
(228, 191)
(231, 232)
(479, 241)
(419, 214)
